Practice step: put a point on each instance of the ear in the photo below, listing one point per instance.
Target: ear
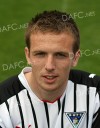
(27, 54)
(76, 58)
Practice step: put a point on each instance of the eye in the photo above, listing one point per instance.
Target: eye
(39, 54)
(61, 55)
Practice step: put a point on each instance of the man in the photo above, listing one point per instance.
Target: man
(41, 96)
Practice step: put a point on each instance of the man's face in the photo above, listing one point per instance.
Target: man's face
(49, 57)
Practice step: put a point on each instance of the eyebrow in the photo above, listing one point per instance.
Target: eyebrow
(34, 52)
(39, 51)
(62, 52)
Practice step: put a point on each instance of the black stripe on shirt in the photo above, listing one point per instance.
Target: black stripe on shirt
(33, 111)
(7, 105)
(47, 114)
(63, 106)
(95, 114)
(20, 110)
(96, 123)
(74, 97)
(59, 105)
(87, 106)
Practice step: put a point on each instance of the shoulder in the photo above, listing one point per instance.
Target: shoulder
(9, 88)
(86, 78)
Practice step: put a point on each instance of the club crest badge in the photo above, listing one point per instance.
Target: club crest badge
(75, 118)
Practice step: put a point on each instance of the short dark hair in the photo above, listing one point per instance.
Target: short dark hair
(55, 22)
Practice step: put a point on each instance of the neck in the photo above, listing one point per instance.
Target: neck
(52, 101)
(49, 96)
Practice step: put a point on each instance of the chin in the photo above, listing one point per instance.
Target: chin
(50, 88)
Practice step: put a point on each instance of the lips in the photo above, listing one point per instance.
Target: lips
(50, 79)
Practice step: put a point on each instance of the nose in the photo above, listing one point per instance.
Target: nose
(50, 63)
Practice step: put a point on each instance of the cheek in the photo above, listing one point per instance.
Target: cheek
(64, 69)
(36, 73)
(65, 65)
(37, 68)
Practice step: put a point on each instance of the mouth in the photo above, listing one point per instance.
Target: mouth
(50, 79)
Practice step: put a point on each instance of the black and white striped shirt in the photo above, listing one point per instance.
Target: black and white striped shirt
(78, 107)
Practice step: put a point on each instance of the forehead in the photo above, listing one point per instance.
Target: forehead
(51, 41)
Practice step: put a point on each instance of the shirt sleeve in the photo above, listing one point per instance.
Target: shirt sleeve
(96, 123)
(91, 80)
(5, 120)
(2, 125)
(96, 116)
